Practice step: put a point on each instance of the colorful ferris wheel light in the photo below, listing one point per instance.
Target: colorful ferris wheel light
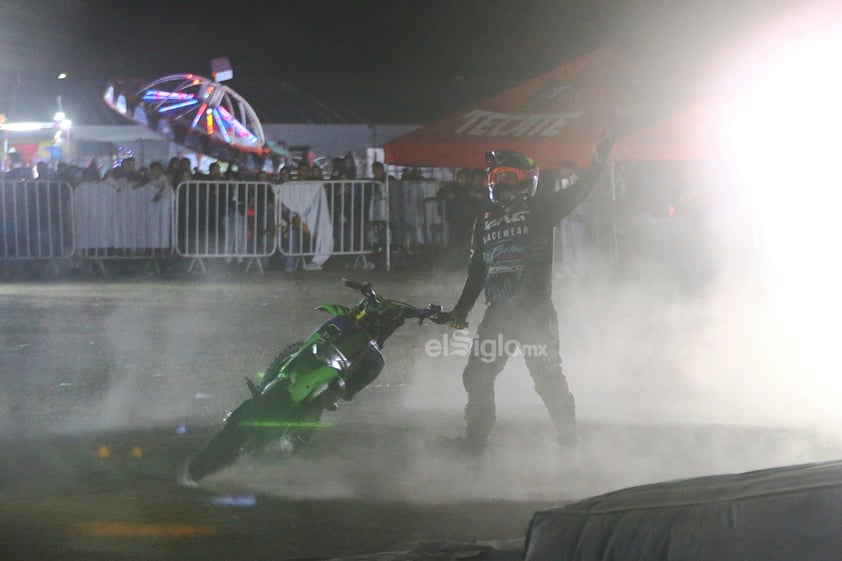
(197, 113)
(178, 105)
(209, 122)
(238, 127)
(221, 126)
(155, 95)
(198, 116)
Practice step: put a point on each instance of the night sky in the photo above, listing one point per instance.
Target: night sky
(379, 52)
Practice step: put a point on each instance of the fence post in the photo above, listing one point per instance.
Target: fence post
(388, 228)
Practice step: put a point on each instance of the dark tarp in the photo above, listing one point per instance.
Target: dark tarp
(789, 513)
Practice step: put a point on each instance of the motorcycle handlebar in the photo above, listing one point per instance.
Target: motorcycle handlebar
(433, 312)
(356, 285)
(363, 287)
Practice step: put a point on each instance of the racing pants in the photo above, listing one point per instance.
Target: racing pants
(533, 329)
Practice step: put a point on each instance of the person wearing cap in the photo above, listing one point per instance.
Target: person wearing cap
(511, 262)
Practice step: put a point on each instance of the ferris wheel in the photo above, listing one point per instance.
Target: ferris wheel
(196, 112)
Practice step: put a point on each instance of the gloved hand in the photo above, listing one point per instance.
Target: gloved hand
(603, 147)
(458, 319)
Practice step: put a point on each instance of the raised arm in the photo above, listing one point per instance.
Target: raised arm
(564, 202)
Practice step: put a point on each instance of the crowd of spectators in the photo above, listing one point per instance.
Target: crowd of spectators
(651, 219)
(464, 198)
(180, 169)
(236, 205)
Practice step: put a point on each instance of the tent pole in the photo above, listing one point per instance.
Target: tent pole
(615, 245)
(388, 227)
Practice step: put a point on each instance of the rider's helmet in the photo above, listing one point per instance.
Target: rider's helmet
(511, 175)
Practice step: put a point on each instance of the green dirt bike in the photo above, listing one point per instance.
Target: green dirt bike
(340, 358)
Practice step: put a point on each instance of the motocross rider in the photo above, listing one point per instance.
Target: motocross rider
(511, 261)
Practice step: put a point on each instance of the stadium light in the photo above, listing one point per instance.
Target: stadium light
(783, 134)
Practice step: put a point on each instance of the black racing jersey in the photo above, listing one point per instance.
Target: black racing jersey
(512, 247)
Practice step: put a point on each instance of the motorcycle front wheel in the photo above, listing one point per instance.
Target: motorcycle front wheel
(225, 446)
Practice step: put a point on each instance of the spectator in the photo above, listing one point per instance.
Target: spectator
(478, 185)
(350, 165)
(234, 226)
(68, 173)
(340, 197)
(316, 173)
(214, 172)
(378, 172)
(337, 168)
(233, 173)
(456, 189)
(19, 169)
(261, 177)
(22, 171)
(172, 170)
(129, 171)
(186, 165)
(159, 179)
(459, 210)
(91, 172)
(43, 171)
(411, 174)
(260, 221)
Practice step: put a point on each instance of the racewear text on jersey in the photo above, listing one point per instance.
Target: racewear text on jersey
(512, 247)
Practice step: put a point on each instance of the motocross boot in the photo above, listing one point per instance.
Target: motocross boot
(566, 436)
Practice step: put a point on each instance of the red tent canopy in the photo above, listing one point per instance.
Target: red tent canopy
(555, 116)
(693, 134)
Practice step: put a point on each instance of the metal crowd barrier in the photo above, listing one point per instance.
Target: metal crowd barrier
(118, 219)
(231, 220)
(36, 220)
(413, 220)
(319, 219)
(303, 222)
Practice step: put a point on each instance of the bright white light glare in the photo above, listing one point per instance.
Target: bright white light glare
(59, 116)
(61, 76)
(25, 126)
(785, 139)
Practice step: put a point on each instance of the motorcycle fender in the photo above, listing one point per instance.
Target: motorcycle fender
(334, 309)
(306, 383)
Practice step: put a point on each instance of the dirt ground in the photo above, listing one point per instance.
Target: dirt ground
(110, 385)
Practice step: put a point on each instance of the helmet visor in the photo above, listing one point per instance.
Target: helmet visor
(507, 176)
(508, 183)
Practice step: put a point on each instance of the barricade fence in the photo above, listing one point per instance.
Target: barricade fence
(36, 219)
(303, 223)
(119, 219)
(319, 219)
(224, 219)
